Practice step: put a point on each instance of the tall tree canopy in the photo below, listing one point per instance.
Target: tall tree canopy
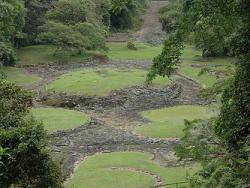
(218, 24)
(11, 23)
(75, 25)
(24, 158)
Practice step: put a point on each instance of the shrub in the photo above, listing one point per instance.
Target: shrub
(131, 45)
(7, 54)
(169, 16)
(125, 13)
(24, 158)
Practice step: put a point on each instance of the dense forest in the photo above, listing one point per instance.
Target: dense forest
(217, 28)
(68, 24)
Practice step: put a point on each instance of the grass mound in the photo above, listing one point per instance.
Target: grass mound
(19, 76)
(98, 171)
(101, 82)
(169, 122)
(120, 51)
(55, 119)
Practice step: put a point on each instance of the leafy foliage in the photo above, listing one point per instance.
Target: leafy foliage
(125, 13)
(24, 159)
(166, 63)
(131, 45)
(169, 15)
(35, 17)
(11, 19)
(7, 54)
(70, 26)
(233, 124)
(11, 23)
(68, 12)
(62, 36)
(217, 27)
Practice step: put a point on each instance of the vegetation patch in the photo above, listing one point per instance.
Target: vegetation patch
(101, 82)
(120, 51)
(98, 171)
(44, 54)
(19, 76)
(55, 119)
(169, 122)
(207, 71)
(204, 79)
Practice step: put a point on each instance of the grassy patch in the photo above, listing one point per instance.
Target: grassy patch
(120, 51)
(169, 122)
(44, 54)
(190, 53)
(193, 64)
(55, 119)
(96, 171)
(19, 76)
(101, 82)
(206, 80)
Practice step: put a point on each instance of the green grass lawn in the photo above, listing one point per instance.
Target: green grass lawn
(206, 80)
(43, 54)
(101, 82)
(193, 63)
(55, 119)
(190, 53)
(19, 76)
(119, 51)
(96, 172)
(169, 122)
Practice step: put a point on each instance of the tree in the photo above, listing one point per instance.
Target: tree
(11, 23)
(230, 168)
(7, 54)
(71, 26)
(103, 10)
(35, 17)
(68, 12)
(11, 20)
(125, 13)
(62, 36)
(169, 15)
(95, 36)
(24, 158)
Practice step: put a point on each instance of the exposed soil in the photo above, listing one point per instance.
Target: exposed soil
(151, 31)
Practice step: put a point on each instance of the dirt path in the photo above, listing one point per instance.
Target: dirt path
(151, 30)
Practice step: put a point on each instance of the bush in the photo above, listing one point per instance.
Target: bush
(169, 20)
(95, 35)
(169, 16)
(24, 158)
(125, 13)
(131, 45)
(7, 54)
